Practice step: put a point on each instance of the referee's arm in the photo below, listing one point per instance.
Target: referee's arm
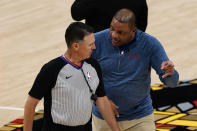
(30, 106)
(104, 107)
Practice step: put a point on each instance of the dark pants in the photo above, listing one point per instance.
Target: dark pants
(58, 127)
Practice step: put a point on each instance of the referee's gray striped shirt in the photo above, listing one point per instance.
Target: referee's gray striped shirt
(65, 91)
(71, 103)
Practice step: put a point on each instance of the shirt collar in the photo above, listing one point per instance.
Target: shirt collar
(72, 64)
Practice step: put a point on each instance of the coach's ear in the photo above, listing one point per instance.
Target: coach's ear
(135, 29)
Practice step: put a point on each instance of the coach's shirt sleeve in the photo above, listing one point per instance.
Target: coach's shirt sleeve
(158, 56)
(43, 83)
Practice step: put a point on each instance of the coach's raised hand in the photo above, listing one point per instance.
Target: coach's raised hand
(168, 68)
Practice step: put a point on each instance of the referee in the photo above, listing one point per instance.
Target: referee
(70, 84)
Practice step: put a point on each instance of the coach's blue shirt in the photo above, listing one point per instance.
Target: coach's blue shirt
(126, 72)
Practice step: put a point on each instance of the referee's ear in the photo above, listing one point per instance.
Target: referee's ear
(75, 46)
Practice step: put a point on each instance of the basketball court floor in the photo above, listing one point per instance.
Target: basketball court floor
(32, 33)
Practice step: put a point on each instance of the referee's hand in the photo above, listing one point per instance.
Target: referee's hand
(114, 108)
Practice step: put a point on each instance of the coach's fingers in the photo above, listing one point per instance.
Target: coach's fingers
(167, 65)
(168, 73)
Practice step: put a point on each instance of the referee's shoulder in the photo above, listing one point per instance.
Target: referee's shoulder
(54, 64)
